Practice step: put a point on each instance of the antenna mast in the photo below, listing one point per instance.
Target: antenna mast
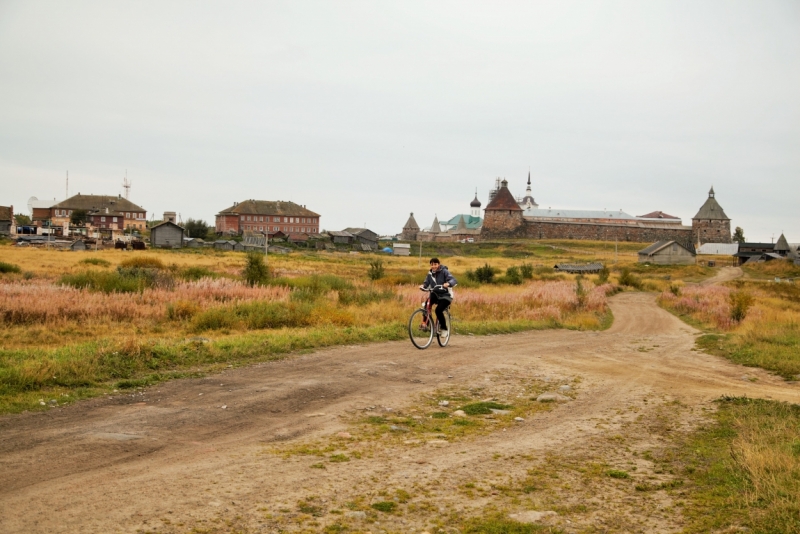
(126, 185)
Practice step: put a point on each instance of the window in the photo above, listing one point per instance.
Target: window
(286, 219)
(275, 228)
(260, 228)
(261, 219)
(248, 218)
(242, 217)
(103, 219)
(114, 219)
(276, 219)
(127, 215)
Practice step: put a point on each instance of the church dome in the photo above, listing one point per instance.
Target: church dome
(475, 203)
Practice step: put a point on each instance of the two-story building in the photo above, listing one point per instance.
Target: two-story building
(267, 216)
(102, 212)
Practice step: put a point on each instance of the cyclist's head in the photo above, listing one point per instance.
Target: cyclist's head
(435, 263)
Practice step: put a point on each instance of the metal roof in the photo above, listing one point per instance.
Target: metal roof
(470, 222)
(578, 214)
(719, 249)
(268, 207)
(661, 245)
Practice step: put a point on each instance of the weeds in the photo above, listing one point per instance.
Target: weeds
(740, 302)
(96, 261)
(9, 268)
(142, 262)
(256, 271)
(376, 270)
(627, 278)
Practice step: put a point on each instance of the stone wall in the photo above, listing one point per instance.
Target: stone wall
(513, 225)
(712, 231)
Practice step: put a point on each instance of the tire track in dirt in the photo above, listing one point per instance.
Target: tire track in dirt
(121, 463)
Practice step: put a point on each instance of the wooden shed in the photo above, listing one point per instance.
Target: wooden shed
(402, 249)
(238, 246)
(222, 244)
(166, 235)
(668, 253)
(78, 244)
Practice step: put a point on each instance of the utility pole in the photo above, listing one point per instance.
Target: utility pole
(419, 262)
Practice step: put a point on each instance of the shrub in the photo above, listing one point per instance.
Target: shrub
(182, 309)
(256, 271)
(626, 278)
(675, 290)
(96, 261)
(196, 273)
(9, 268)
(513, 276)
(376, 271)
(526, 270)
(740, 303)
(580, 292)
(105, 282)
(602, 276)
(485, 274)
(142, 262)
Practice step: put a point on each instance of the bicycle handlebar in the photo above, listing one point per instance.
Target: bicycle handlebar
(434, 288)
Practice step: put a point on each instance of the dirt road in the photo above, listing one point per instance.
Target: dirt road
(171, 458)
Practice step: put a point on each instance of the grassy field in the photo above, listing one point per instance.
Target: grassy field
(76, 325)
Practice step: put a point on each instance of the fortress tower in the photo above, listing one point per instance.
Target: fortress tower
(711, 225)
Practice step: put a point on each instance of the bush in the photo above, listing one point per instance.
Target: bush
(196, 273)
(740, 303)
(105, 282)
(485, 274)
(96, 261)
(675, 290)
(602, 276)
(581, 292)
(256, 271)
(385, 506)
(9, 268)
(182, 309)
(483, 408)
(513, 276)
(526, 270)
(142, 262)
(376, 271)
(626, 278)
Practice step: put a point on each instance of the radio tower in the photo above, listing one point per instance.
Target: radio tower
(127, 186)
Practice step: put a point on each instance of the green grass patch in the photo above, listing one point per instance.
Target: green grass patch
(616, 473)
(384, 506)
(483, 408)
(776, 350)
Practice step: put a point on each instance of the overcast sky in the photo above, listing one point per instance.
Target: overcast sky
(366, 111)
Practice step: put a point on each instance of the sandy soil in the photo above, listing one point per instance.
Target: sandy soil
(170, 458)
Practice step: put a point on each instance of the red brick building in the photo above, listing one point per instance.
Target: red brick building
(267, 216)
(103, 211)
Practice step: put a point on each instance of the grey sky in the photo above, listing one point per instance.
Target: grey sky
(365, 111)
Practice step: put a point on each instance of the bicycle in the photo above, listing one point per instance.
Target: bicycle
(422, 324)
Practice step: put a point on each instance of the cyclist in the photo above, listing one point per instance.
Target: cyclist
(440, 276)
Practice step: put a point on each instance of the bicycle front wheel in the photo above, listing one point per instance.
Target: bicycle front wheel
(443, 337)
(420, 329)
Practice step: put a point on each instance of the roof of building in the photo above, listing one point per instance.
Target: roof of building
(719, 249)
(781, 245)
(98, 203)
(334, 233)
(435, 228)
(268, 207)
(658, 215)
(361, 231)
(661, 245)
(164, 223)
(757, 245)
(411, 223)
(298, 237)
(711, 209)
(469, 221)
(577, 214)
(503, 200)
(5, 213)
(475, 202)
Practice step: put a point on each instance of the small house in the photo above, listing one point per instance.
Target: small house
(748, 251)
(342, 238)
(668, 252)
(6, 219)
(78, 244)
(298, 239)
(167, 235)
(402, 249)
(364, 236)
(194, 242)
(223, 244)
(237, 246)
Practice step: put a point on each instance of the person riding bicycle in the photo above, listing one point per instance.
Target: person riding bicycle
(440, 276)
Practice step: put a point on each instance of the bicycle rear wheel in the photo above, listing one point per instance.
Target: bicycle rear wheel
(443, 337)
(421, 335)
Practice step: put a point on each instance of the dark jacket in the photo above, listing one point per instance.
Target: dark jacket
(438, 278)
